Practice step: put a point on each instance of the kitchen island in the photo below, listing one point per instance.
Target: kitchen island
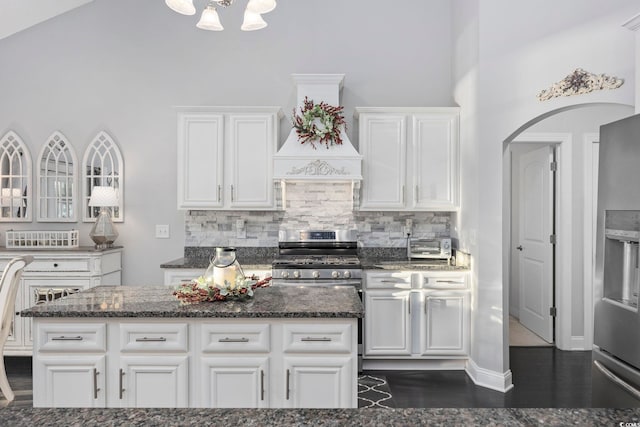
(287, 347)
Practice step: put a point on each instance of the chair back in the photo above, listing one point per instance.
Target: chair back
(9, 284)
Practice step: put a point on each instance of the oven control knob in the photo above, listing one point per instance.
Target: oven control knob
(284, 274)
(346, 274)
(335, 274)
(296, 274)
(315, 274)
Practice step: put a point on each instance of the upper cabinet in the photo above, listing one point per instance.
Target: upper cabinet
(411, 158)
(57, 180)
(102, 166)
(225, 157)
(15, 179)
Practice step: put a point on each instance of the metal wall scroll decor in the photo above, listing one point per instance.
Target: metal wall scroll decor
(317, 167)
(580, 82)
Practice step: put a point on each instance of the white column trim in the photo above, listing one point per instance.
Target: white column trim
(494, 380)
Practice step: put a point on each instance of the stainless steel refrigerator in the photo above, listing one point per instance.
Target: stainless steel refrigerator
(616, 353)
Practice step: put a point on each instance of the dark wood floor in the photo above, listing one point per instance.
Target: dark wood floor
(543, 377)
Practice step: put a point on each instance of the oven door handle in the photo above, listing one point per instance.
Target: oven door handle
(296, 282)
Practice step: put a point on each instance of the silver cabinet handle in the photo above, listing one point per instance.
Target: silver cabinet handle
(121, 383)
(145, 339)
(450, 281)
(409, 305)
(288, 378)
(392, 281)
(323, 339)
(233, 340)
(417, 193)
(95, 383)
(232, 192)
(617, 380)
(403, 193)
(261, 384)
(219, 192)
(63, 338)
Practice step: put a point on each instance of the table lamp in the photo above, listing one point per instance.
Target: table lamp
(102, 232)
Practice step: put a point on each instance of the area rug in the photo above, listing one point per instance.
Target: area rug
(374, 392)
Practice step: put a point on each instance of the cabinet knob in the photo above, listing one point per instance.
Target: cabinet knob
(55, 264)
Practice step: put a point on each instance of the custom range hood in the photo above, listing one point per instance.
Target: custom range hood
(297, 162)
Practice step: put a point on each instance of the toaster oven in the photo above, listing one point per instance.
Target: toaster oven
(429, 248)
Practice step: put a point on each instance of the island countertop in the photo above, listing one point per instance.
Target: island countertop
(158, 302)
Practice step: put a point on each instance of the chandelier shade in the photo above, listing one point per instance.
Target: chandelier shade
(210, 20)
(261, 6)
(252, 21)
(184, 7)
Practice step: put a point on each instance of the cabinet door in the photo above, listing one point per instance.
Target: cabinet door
(239, 382)
(154, 382)
(200, 160)
(444, 323)
(387, 318)
(383, 145)
(319, 382)
(434, 152)
(69, 381)
(251, 145)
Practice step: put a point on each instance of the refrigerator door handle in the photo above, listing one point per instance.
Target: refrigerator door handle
(617, 380)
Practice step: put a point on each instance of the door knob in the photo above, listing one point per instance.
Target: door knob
(519, 248)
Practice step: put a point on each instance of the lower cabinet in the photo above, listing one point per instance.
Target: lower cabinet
(220, 363)
(153, 381)
(76, 381)
(318, 382)
(419, 316)
(231, 382)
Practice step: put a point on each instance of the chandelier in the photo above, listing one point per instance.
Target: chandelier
(209, 20)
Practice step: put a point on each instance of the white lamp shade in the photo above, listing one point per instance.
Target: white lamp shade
(184, 7)
(103, 197)
(210, 20)
(252, 21)
(261, 6)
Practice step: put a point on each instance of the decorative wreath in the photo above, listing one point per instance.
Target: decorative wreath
(321, 122)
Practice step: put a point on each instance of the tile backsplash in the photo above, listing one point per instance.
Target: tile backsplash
(317, 205)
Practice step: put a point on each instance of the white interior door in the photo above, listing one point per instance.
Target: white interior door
(536, 250)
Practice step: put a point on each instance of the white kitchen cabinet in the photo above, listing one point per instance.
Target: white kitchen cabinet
(157, 381)
(318, 382)
(234, 382)
(70, 381)
(51, 275)
(416, 315)
(411, 158)
(220, 363)
(225, 157)
(443, 323)
(387, 323)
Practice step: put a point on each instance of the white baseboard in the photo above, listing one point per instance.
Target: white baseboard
(499, 381)
(410, 365)
(577, 343)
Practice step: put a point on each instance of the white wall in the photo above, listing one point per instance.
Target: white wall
(122, 65)
(521, 49)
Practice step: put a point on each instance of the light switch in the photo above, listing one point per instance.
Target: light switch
(162, 231)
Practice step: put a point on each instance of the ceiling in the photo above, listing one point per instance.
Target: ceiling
(17, 15)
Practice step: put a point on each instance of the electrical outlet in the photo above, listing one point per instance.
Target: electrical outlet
(241, 229)
(162, 231)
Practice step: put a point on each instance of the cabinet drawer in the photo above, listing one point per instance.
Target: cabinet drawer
(90, 337)
(388, 280)
(317, 338)
(444, 281)
(59, 265)
(143, 337)
(235, 338)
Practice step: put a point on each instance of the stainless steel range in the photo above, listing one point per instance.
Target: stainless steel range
(317, 258)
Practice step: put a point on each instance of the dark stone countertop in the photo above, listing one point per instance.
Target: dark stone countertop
(158, 302)
(203, 263)
(15, 416)
(406, 265)
(56, 251)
